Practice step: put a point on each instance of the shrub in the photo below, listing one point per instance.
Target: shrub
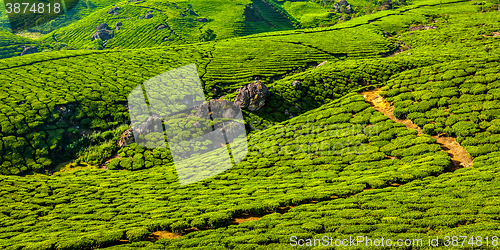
(126, 163)
(137, 234)
(428, 129)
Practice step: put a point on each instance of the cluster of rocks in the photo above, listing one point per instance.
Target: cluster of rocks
(29, 50)
(118, 25)
(114, 11)
(147, 15)
(424, 27)
(218, 109)
(338, 6)
(151, 125)
(478, 3)
(252, 97)
(103, 32)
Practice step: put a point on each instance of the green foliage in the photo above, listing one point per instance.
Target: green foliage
(207, 35)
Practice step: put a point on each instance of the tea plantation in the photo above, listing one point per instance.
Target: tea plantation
(350, 149)
(321, 160)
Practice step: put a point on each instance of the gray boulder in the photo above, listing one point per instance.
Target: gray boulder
(103, 26)
(148, 16)
(252, 96)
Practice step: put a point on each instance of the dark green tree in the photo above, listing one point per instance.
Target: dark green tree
(207, 35)
(487, 49)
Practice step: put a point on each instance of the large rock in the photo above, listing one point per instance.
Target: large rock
(103, 32)
(203, 20)
(114, 10)
(252, 96)
(148, 16)
(102, 26)
(343, 2)
(29, 50)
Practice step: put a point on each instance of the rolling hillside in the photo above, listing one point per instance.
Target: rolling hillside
(385, 125)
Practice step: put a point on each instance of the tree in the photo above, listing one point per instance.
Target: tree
(207, 35)
(487, 49)
(98, 44)
(88, 3)
(446, 17)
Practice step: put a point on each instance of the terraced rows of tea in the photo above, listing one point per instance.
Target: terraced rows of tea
(69, 99)
(457, 99)
(335, 151)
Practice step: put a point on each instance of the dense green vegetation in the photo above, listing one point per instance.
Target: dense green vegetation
(320, 162)
(458, 99)
(100, 199)
(68, 99)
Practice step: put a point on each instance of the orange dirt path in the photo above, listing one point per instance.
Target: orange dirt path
(459, 156)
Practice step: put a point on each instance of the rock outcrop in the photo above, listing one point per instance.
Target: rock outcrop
(252, 96)
(114, 11)
(29, 50)
(217, 109)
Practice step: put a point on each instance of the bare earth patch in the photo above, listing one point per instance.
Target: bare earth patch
(493, 34)
(244, 217)
(379, 103)
(162, 235)
(459, 157)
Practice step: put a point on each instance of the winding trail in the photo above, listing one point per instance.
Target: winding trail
(460, 158)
